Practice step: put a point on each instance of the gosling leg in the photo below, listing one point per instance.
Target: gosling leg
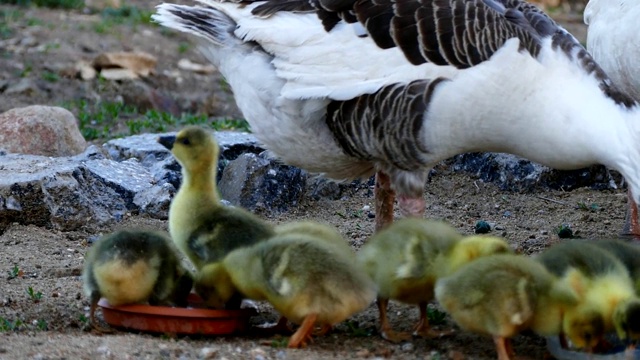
(502, 347)
(385, 329)
(303, 335)
(423, 329)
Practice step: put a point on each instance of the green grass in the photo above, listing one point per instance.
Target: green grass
(7, 18)
(593, 207)
(125, 15)
(35, 296)
(99, 121)
(435, 316)
(8, 325)
(50, 76)
(14, 272)
(356, 330)
(54, 4)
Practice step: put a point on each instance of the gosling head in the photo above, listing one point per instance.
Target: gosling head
(626, 320)
(476, 246)
(194, 147)
(584, 327)
(214, 285)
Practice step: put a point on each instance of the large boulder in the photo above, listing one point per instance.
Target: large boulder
(41, 130)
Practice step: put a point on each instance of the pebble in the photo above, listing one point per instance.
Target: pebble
(407, 347)
(208, 353)
(258, 354)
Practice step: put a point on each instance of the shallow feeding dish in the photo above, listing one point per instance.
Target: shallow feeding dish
(177, 320)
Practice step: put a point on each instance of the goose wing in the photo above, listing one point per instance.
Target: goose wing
(461, 33)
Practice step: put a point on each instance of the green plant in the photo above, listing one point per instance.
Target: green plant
(435, 316)
(357, 331)
(592, 208)
(564, 231)
(7, 17)
(7, 325)
(50, 76)
(183, 47)
(279, 342)
(83, 318)
(54, 4)
(35, 296)
(42, 325)
(14, 273)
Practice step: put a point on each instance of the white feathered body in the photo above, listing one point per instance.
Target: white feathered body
(546, 109)
(613, 40)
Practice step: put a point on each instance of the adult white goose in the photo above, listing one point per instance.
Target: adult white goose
(426, 81)
(613, 41)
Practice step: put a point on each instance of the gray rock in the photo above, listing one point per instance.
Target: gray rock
(254, 182)
(145, 147)
(513, 173)
(24, 86)
(67, 193)
(164, 167)
(41, 130)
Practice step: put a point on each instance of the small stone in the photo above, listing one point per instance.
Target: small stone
(506, 214)
(371, 215)
(281, 355)
(482, 227)
(208, 353)
(407, 347)
(24, 86)
(258, 354)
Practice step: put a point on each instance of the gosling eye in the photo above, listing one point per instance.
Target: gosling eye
(185, 141)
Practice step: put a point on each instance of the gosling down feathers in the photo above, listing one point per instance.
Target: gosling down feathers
(200, 225)
(134, 266)
(607, 299)
(406, 258)
(307, 279)
(393, 87)
(612, 39)
(501, 295)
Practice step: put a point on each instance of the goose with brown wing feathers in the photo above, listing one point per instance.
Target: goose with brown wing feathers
(352, 88)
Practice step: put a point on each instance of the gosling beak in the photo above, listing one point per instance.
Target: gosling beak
(167, 141)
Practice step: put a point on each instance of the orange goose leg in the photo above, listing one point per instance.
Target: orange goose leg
(384, 197)
(631, 223)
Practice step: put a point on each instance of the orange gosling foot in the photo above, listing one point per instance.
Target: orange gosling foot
(502, 347)
(385, 329)
(323, 330)
(94, 323)
(384, 198)
(423, 329)
(303, 335)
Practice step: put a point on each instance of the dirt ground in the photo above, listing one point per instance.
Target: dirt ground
(43, 310)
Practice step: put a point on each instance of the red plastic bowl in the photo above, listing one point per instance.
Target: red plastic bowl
(165, 319)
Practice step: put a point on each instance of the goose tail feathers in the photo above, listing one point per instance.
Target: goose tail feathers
(205, 22)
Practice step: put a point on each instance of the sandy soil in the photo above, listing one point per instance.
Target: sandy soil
(50, 323)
